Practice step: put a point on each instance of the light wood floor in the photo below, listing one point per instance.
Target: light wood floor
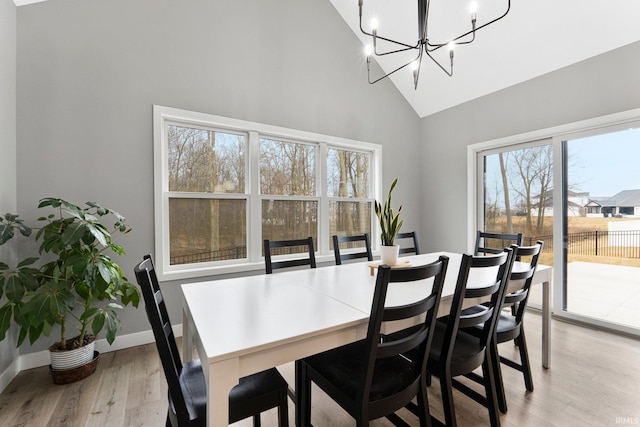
(594, 381)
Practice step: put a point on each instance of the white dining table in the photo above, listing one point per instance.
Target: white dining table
(244, 325)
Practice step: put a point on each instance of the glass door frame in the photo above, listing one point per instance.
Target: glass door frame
(556, 136)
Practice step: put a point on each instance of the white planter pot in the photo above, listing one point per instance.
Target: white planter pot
(72, 358)
(389, 254)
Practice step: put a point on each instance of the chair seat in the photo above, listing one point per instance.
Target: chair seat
(194, 389)
(507, 325)
(342, 367)
(506, 330)
(250, 396)
(467, 351)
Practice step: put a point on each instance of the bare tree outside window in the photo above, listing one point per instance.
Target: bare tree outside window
(518, 194)
(348, 185)
(208, 162)
(287, 169)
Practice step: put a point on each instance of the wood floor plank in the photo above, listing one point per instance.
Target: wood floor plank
(110, 403)
(594, 381)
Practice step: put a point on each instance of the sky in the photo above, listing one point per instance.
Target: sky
(601, 165)
(605, 164)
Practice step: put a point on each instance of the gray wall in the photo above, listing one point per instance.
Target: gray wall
(8, 188)
(605, 84)
(89, 72)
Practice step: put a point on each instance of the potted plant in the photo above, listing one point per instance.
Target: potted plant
(390, 224)
(76, 285)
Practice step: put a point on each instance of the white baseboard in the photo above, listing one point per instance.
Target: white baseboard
(9, 374)
(41, 358)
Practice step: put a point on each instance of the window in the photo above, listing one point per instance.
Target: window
(570, 186)
(222, 186)
(348, 190)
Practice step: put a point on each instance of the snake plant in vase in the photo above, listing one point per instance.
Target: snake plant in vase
(74, 283)
(390, 224)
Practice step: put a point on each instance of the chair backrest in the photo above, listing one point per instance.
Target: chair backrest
(521, 296)
(416, 338)
(269, 245)
(494, 243)
(409, 249)
(364, 253)
(162, 332)
(494, 271)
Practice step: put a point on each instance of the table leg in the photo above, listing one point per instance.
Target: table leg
(546, 324)
(221, 377)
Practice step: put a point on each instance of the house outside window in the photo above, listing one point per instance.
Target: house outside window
(223, 185)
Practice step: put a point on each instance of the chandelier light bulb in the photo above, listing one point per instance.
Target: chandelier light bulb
(368, 50)
(473, 7)
(374, 24)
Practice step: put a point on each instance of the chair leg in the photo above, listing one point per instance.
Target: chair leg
(446, 387)
(497, 376)
(490, 390)
(256, 420)
(303, 395)
(524, 358)
(283, 411)
(423, 405)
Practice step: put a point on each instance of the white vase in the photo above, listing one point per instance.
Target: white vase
(72, 358)
(389, 254)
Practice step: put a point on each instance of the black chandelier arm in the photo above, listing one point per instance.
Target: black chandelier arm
(388, 74)
(439, 45)
(395, 51)
(448, 72)
(376, 36)
(429, 47)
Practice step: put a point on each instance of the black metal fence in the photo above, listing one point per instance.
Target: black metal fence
(237, 252)
(620, 244)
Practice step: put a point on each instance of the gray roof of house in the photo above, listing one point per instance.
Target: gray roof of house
(623, 198)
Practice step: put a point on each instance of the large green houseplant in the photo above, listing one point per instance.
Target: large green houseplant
(390, 224)
(73, 283)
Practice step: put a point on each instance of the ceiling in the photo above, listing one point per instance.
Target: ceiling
(536, 37)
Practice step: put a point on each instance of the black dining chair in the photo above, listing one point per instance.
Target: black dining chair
(287, 245)
(415, 249)
(488, 243)
(372, 378)
(456, 353)
(187, 388)
(510, 325)
(365, 251)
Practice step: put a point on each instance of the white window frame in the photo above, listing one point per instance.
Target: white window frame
(163, 116)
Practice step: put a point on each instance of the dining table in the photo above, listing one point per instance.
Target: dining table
(243, 325)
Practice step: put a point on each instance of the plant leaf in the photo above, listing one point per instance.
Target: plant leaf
(98, 323)
(73, 233)
(91, 311)
(5, 319)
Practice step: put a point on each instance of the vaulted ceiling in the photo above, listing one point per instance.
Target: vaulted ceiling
(535, 38)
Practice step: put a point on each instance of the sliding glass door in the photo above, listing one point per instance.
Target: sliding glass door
(578, 190)
(518, 196)
(603, 227)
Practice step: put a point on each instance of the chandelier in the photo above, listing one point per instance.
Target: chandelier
(424, 46)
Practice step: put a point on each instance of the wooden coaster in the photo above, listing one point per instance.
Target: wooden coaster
(400, 264)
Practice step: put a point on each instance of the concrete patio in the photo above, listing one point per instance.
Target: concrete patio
(604, 291)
